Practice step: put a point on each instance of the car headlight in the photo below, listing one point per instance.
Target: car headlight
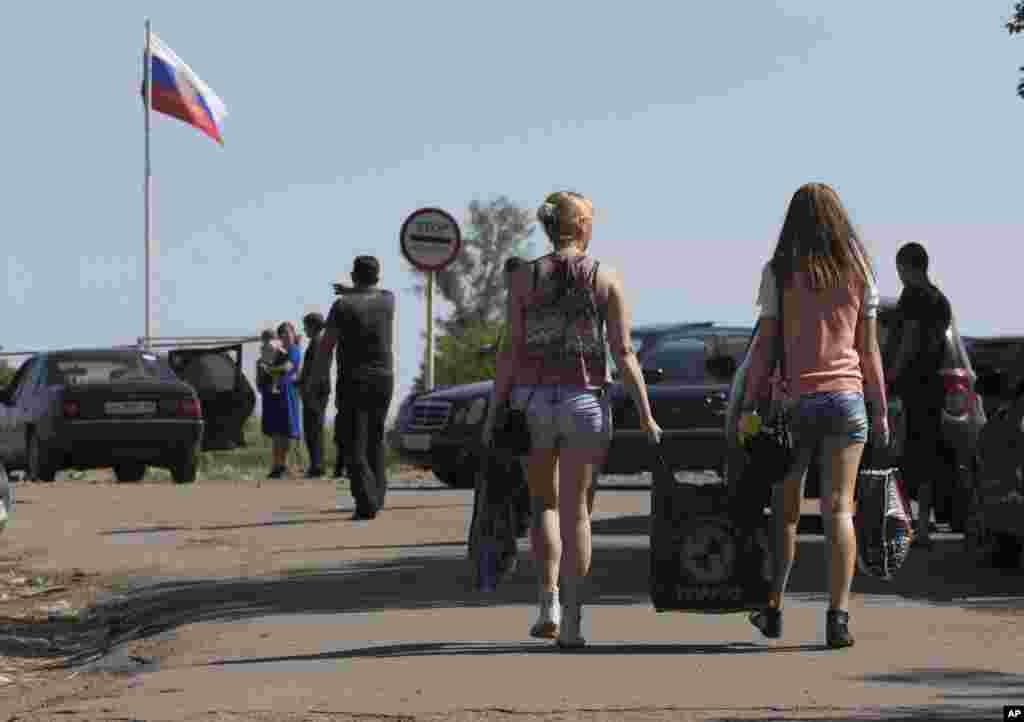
(475, 412)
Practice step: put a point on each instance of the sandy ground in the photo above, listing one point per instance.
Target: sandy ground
(305, 626)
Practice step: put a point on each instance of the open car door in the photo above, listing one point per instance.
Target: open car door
(226, 395)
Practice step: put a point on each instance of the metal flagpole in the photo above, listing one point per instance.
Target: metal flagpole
(148, 71)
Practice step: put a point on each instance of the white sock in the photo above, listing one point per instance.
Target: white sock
(549, 598)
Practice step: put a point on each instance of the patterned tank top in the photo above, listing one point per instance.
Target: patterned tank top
(564, 322)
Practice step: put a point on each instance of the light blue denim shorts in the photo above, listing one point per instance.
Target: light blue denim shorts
(565, 416)
(828, 413)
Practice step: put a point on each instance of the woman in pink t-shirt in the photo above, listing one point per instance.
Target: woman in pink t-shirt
(831, 362)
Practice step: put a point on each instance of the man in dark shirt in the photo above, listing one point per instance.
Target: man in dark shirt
(314, 392)
(925, 320)
(361, 324)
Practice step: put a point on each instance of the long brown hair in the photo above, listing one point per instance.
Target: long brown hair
(818, 239)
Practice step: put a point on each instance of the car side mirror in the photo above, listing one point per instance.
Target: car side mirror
(653, 376)
(721, 367)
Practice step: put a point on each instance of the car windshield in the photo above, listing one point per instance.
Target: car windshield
(95, 368)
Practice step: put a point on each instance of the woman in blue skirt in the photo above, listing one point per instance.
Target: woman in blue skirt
(281, 410)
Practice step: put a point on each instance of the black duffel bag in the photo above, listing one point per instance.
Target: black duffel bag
(711, 549)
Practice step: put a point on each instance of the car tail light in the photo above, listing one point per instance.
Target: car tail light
(190, 408)
(958, 392)
(72, 409)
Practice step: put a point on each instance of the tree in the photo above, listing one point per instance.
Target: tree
(474, 284)
(1016, 25)
(6, 372)
(462, 359)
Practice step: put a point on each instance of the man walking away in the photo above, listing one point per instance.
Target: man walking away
(314, 392)
(925, 320)
(361, 324)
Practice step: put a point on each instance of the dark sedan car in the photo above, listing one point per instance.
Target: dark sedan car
(80, 409)
(688, 367)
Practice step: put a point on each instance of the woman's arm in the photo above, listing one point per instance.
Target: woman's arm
(620, 331)
(763, 350)
(505, 363)
(871, 366)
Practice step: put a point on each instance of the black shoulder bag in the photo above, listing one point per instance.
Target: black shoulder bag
(512, 432)
(771, 450)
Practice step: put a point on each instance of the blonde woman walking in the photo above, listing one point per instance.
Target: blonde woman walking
(563, 312)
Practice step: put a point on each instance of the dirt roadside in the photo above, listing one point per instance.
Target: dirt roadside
(79, 542)
(74, 543)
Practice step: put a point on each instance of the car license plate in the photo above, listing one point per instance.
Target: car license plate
(133, 408)
(416, 442)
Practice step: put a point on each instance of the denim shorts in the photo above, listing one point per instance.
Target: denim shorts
(828, 413)
(565, 416)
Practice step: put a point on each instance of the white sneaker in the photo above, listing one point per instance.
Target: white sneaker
(3, 515)
(548, 618)
(570, 636)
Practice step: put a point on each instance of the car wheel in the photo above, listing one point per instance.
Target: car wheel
(40, 466)
(453, 478)
(1006, 549)
(129, 472)
(186, 468)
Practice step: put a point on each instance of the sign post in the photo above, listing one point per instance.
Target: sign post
(430, 241)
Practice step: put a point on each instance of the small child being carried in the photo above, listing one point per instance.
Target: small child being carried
(272, 355)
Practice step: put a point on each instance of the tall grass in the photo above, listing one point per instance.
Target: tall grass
(253, 460)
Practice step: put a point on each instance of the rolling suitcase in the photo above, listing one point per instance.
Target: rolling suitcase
(711, 549)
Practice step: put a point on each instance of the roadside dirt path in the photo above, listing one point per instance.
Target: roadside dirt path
(289, 548)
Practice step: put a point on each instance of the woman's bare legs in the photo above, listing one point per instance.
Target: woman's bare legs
(542, 473)
(575, 503)
(786, 503)
(840, 460)
(536, 512)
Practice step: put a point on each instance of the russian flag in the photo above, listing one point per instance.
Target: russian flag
(180, 93)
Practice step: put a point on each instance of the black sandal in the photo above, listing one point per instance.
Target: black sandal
(837, 629)
(768, 621)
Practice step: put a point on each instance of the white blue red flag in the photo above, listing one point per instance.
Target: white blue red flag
(180, 93)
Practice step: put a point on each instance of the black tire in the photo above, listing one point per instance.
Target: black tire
(1006, 549)
(40, 465)
(455, 478)
(129, 472)
(186, 468)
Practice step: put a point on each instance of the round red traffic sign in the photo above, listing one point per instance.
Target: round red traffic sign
(430, 239)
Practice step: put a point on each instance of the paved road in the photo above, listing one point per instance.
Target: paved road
(344, 618)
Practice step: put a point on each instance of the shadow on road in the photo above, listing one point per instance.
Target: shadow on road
(426, 649)
(939, 713)
(341, 517)
(440, 578)
(991, 685)
(639, 524)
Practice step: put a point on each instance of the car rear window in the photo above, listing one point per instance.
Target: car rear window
(77, 371)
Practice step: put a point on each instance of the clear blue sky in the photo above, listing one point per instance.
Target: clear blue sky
(689, 124)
